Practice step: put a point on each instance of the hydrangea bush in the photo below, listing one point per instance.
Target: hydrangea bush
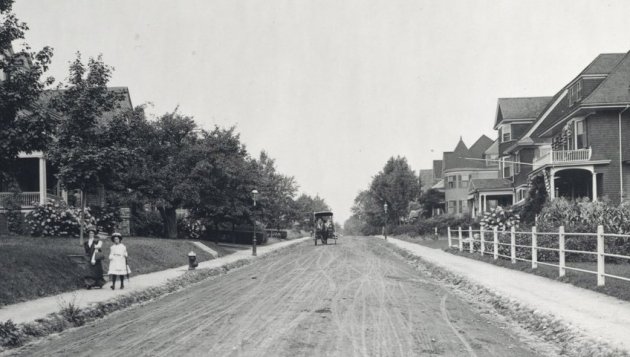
(190, 228)
(503, 219)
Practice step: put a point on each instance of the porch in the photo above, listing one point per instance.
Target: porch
(35, 180)
(547, 156)
(574, 182)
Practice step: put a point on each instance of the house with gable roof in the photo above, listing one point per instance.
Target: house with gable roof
(580, 139)
(459, 168)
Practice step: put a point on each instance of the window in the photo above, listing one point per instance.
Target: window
(452, 206)
(521, 193)
(517, 164)
(450, 180)
(575, 93)
(506, 132)
(506, 167)
(461, 207)
(580, 135)
(463, 181)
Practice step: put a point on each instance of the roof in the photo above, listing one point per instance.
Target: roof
(600, 91)
(460, 157)
(614, 89)
(489, 184)
(323, 213)
(439, 185)
(480, 146)
(604, 63)
(520, 108)
(426, 178)
(437, 169)
(123, 105)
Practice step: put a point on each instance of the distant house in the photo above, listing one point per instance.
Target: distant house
(459, 168)
(36, 176)
(579, 141)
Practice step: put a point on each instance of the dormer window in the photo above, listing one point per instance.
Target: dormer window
(575, 93)
(506, 133)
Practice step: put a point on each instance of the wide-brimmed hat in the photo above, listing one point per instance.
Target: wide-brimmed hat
(116, 234)
(91, 228)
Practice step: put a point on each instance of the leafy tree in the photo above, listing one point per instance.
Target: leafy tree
(535, 201)
(87, 151)
(276, 193)
(431, 199)
(396, 185)
(24, 124)
(304, 207)
(161, 174)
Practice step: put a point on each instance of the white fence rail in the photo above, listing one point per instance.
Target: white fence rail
(26, 199)
(476, 241)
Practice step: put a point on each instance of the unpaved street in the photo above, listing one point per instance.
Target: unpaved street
(354, 299)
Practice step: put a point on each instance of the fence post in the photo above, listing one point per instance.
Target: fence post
(448, 233)
(534, 248)
(461, 244)
(482, 246)
(513, 244)
(471, 239)
(561, 270)
(496, 243)
(601, 269)
(436, 233)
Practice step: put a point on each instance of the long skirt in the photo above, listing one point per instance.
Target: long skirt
(94, 277)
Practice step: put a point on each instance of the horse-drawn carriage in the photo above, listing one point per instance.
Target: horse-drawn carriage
(324, 227)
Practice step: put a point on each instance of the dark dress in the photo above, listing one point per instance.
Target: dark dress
(95, 272)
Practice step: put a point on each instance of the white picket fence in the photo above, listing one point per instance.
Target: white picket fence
(473, 237)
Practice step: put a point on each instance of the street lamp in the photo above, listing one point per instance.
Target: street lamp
(386, 217)
(254, 195)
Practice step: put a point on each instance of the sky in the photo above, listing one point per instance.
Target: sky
(332, 88)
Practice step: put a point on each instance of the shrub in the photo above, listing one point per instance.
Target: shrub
(106, 218)
(189, 228)
(15, 218)
(426, 227)
(502, 219)
(11, 335)
(147, 223)
(55, 218)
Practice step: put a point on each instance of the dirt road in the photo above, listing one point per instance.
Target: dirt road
(354, 299)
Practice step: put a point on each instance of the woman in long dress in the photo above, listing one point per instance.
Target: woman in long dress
(95, 260)
(118, 261)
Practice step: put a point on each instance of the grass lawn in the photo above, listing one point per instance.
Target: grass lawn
(35, 267)
(441, 243)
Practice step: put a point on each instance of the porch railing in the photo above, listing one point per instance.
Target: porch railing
(527, 248)
(549, 157)
(26, 199)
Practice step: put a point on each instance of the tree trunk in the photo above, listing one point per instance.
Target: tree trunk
(82, 218)
(169, 220)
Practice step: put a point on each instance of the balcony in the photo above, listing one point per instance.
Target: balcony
(559, 157)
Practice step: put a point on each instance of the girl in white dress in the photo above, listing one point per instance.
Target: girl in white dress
(117, 261)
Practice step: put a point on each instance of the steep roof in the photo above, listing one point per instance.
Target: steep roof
(479, 147)
(610, 90)
(460, 157)
(520, 108)
(614, 89)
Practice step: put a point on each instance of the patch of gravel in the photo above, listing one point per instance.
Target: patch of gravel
(543, 332)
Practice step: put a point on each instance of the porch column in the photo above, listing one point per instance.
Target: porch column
(42, 180)
(552, 184)
(594, 181)
(485, 203)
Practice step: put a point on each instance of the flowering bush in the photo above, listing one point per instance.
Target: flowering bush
(190, 228)
(55, 218)
(501, 218)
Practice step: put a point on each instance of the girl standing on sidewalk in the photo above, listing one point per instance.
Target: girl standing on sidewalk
(118, 261)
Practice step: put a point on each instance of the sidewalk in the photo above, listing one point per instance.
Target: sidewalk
(597, 315)
(40, 308)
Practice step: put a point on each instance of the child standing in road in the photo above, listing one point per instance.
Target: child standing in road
(118, 261)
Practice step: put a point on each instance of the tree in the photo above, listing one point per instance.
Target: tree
(304, 207)
(24, 124)
(276, 193)
(431, 199)
(535, 201)
(88, 151)
(396, 185)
